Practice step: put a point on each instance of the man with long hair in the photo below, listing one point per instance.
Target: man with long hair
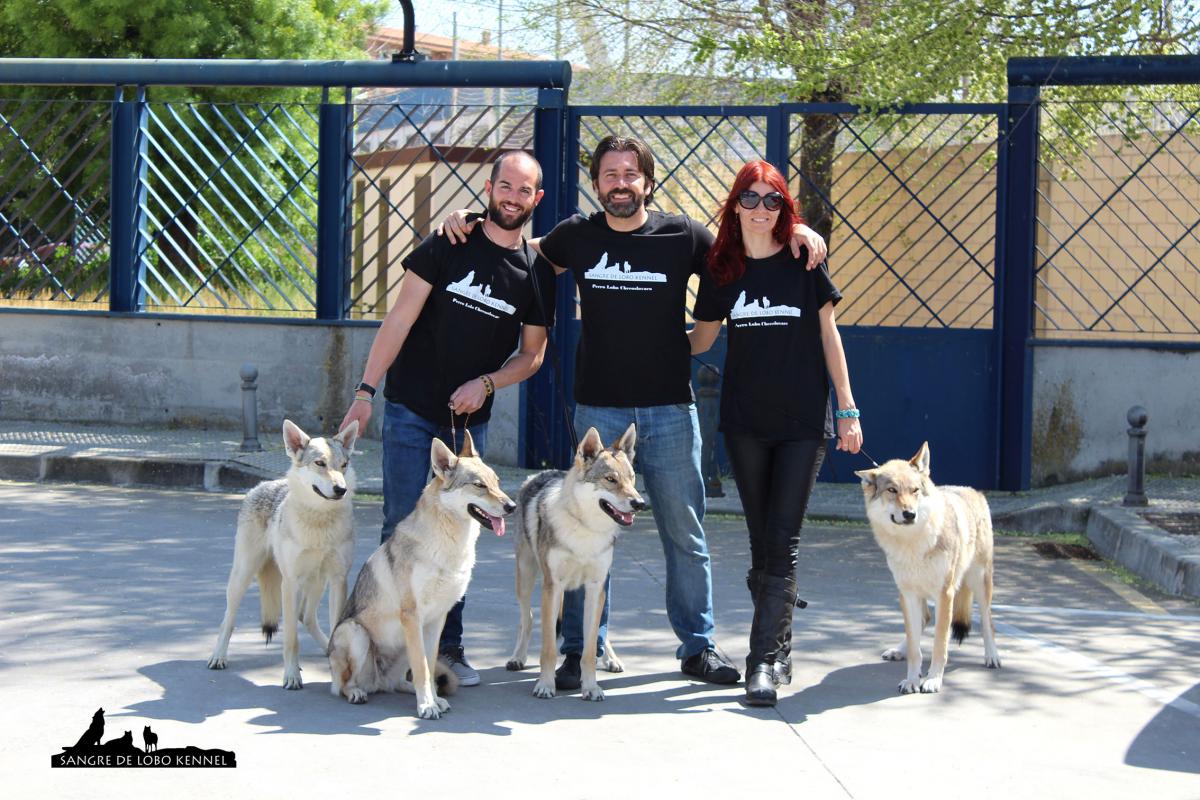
(632, 267)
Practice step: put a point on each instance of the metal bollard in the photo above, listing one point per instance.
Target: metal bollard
(250, 443)
(707, 405)
(1135, 491)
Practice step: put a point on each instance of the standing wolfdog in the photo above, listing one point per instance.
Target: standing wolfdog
(569, 525)
(938, 543)
(297, 535)
(400, 600)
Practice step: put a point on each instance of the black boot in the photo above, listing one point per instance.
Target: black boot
(760, 685)
(782, 668)
(774, 599)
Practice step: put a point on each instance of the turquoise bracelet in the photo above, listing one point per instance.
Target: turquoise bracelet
(849, 413)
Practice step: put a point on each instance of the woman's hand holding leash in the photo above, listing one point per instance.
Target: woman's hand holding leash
(850, 436)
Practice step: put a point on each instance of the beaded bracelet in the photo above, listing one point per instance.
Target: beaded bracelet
(847, 413)
(488, 386)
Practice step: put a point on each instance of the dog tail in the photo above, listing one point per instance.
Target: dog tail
(444, 680)
(270, 591)
(960, 618)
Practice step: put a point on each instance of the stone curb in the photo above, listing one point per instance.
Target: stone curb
(1122, 535)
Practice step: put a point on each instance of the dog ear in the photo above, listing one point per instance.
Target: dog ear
(441, 458)
(868, 477)
(294, 439)
(468, 447)
(348, 436)
(921, 460)
(590, 445)
(627, 441)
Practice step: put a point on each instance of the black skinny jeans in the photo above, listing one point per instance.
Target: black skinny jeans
(775, 478)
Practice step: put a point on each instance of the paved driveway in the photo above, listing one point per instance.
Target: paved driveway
(111, 598)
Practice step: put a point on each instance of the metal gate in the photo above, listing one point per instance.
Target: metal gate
(913, 200)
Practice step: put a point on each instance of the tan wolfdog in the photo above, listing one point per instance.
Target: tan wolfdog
(398, 606)
(938, 543)
(296, 535)
(569, 525)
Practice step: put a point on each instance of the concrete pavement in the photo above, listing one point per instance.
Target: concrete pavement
(112, 597)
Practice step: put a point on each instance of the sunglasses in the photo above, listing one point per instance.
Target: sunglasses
(750, 199)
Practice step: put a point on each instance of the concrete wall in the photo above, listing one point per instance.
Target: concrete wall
(96, 368)
(1082, 394)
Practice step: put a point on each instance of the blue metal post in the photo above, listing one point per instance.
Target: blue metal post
(777, 138)
(540, 440)
(1017, 174)
(127, 184)
(333, 202)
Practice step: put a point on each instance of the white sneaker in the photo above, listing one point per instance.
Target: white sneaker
(457, 661)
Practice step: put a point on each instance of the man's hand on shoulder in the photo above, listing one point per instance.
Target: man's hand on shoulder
(458, 225)
(804, 236)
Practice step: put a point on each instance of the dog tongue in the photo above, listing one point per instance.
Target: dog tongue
(626, 516)
(497, 524)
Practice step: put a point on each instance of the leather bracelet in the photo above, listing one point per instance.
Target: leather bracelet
(365, 387)
(489, 387)
(358, 397)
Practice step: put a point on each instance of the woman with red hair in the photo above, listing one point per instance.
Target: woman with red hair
(775, 406)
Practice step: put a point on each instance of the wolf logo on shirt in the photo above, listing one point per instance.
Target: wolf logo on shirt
(760, 308)
(480, 293)
(603, 271)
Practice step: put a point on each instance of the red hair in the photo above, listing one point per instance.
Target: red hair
(727, 256)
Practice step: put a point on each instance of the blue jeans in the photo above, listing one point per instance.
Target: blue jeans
(668, 456)
(407, 438)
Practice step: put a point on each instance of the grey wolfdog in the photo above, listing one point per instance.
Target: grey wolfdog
(569, 526)
(296, 535)
(395, 615)
(938, 543)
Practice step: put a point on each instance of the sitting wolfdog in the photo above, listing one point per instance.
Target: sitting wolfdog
(296, 535)
(569, 525)
(938, 543)
(400, 600)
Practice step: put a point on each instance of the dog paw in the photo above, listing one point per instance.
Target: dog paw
(893, 654)
(356, 696)
(992, 662)
(514, 665)
(908, 686)
(216, 663)
(291, 680)
(442, 704)
(592, 693)
(543, 688)
(931, 685)
(428, 711)
(611, 663)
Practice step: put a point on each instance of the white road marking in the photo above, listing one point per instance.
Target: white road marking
(1116, 677)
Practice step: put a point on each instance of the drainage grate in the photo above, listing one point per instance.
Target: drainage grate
(1185, 524)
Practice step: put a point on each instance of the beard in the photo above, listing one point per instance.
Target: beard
(623, 208)
(507, 221)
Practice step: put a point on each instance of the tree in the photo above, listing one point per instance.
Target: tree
(876, 53)
(60, 144)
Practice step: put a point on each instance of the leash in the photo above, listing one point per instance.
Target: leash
(454, 433)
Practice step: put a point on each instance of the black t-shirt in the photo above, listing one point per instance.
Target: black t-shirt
(633, 348)
(775, 385)
(471, 322)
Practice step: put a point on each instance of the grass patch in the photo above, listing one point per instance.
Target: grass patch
(1056, 537)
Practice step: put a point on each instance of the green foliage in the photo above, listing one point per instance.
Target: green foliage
(209, 241)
